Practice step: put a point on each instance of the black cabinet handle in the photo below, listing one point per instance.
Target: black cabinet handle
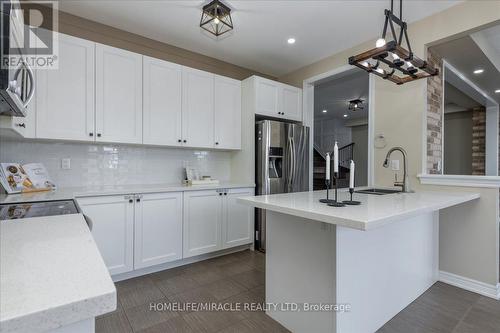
(130, 200)
(138, 200)
(179, 140)
(91, 134)
(216, 143)
(21, 125)
(98, 135)
(185, 141)
(220, 193)
(225, 193)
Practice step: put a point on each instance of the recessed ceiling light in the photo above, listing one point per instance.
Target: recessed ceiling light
(497, 91)
(325, 111)
(291, 40)
(345, 116)
(478, 71)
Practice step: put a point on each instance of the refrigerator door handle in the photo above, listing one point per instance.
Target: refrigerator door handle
(294, 164)
(290, 164)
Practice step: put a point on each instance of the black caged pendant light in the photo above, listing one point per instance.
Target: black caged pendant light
(216, 18)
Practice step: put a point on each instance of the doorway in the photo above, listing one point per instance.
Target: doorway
(341, 109)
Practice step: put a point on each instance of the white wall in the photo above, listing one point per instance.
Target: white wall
(400, 113)
(110, 164)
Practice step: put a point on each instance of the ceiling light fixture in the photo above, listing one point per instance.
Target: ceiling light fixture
(404, 61)
(325, 111)
(497, 91)
(356, 104)
(345, 116)
(216, 18)
(291, 40)
(479, 71)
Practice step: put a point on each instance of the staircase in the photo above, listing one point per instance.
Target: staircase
(346, 154)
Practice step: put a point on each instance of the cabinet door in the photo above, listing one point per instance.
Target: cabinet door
(238, 219)
(162, 95)
(197, 108)
(118, 95)
(113, 229)
(227, 128)
(267, 97)
(158, 229)
(202, 222)
(292, 103)
(65, 96)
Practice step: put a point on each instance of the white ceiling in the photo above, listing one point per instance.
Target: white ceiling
(466, 55)
(258, 42)
(334, 96)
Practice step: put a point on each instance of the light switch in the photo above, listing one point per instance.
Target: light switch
(395, 165)
(65, 163)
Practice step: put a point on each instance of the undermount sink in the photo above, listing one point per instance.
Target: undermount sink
(377, 191)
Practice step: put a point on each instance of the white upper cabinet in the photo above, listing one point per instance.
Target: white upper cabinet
(202, 222)
(275, 99)
(158, 229)
(267, 95)
(291, 102)
(112, 229)
(197, 108)
(227, 125)
(162, 94)
(65, 96)
(237, 219)
(118, 95)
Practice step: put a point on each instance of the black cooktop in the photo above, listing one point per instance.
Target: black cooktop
(23, 210)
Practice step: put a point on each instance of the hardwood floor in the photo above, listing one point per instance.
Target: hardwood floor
(239, 278)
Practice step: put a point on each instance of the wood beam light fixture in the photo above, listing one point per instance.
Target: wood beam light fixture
(216, 18)
(390, 60)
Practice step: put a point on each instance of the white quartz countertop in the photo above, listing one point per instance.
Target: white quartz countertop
(51, 274)
(374, 211)
(91, 191)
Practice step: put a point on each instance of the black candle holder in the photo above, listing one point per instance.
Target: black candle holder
(335, 202)
(327, 200)
(351, 202)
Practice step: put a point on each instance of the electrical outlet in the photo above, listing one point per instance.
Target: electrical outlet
(395, 165)
(65, 163)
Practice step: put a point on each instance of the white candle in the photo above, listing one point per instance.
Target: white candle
(351, 175)
(336, 158)
(327, 175)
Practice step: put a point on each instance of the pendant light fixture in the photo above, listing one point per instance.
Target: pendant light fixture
(356, 104)
(390, 60)
(216, 18)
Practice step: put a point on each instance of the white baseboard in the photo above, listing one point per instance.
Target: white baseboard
(478, 287)
(177, 263)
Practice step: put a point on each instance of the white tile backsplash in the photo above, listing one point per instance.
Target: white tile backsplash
(111, 164)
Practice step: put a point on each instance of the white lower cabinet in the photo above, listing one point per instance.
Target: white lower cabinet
(202, 222)
(113, 229)
(136, 231)
(213, 220)
(158, 229)
(237, 219)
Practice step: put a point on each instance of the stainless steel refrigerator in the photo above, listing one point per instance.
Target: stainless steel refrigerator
(282, 165)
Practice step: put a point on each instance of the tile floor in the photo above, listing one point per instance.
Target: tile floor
(239, 278)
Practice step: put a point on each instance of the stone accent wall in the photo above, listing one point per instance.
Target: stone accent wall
(478, 141)
(434, 116)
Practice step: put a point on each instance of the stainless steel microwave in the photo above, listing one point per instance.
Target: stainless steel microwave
(17, 85)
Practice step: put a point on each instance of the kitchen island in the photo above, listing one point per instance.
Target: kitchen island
(52, 276)
(366, 262)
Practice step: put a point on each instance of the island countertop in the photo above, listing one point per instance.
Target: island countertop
(51, 274)
(374, 211)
